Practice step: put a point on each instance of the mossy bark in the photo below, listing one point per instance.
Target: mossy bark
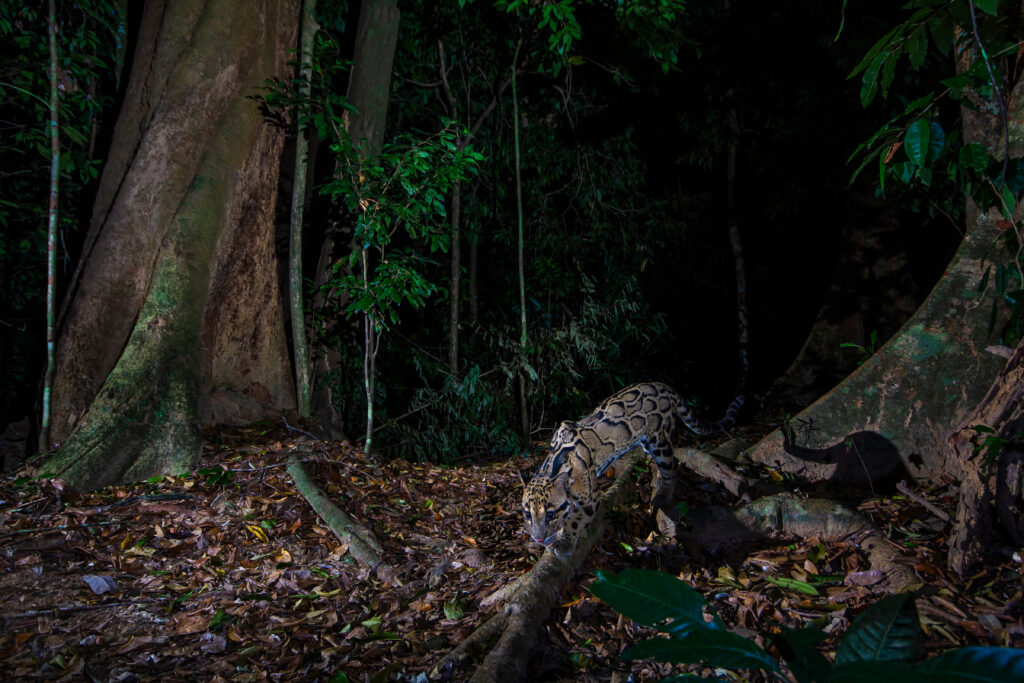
(159, 286)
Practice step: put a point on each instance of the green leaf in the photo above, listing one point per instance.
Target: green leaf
(888, 72)
(453, 610)
(887, 631)
(915, 141)
(792, 584)
(915, 47)
(799, 651)
(973, 156)
(974, 664)
(987, 6)
(869, 82)
(717, 648)
(1009, 202)
(956, 83)
(650, 598)
(942, 31)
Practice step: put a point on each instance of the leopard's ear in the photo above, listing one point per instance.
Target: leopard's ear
(523, 479)
(562, 480)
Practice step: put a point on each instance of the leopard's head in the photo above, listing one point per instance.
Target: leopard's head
(546, 504)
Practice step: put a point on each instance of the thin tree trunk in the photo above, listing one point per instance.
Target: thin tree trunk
(370, 340)
(299, 196)
(454, 319)
(474, 285)
(51, 234)
(524, 424)
(368, 92)
(456, 258)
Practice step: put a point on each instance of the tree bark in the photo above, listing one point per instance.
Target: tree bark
(368, 91)
(176, 316)
(370, 83)
(300, 195)
(986, 462)
(906, 396)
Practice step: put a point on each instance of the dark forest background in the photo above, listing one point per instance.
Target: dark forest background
(625, 132)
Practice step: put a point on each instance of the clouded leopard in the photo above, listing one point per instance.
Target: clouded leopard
(561, 499)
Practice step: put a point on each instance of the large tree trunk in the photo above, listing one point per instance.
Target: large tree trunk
(929, 377)
(176, 314)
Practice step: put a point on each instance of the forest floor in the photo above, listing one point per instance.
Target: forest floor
(229, 575)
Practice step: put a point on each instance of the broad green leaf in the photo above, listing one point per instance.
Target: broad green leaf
(869, 82)
(887, 631)
(1015, 175)
(942, 31)
(1009, 202)
(973, 156)
(925, 174)
(915, 141)
(920, 103)
(874, 52)
(987, 6)
(650, 598)
(888, 72)
(915, 47)
(995, 664)
(717, 648)
(956, 83)
(799, 651)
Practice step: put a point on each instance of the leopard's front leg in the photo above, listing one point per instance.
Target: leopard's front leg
(665, 484)
(665, 512)
(576, 521)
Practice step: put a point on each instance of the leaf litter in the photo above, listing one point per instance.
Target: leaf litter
(228, 575)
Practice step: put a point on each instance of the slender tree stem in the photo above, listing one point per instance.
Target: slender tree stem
(299, 348)
(524, 424)
(369, 356)
(51, 238)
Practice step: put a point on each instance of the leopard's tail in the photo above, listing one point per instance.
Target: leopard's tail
(704, 427)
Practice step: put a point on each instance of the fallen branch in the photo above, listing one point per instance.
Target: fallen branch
(931, 507)
(362, 545)
(715, 466)
(531, 601)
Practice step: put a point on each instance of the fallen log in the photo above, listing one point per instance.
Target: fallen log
(362, 544)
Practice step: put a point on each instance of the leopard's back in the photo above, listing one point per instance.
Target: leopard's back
(561, 498)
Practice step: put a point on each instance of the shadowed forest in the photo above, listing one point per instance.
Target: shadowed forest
(299, 296)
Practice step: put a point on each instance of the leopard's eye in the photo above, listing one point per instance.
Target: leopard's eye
(550, 516)
(526, 513)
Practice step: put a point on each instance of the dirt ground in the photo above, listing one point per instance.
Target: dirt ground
(227, 574)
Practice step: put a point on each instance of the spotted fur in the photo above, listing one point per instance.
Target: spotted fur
(561, 499)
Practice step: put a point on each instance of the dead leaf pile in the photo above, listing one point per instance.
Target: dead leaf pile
(227, 574)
